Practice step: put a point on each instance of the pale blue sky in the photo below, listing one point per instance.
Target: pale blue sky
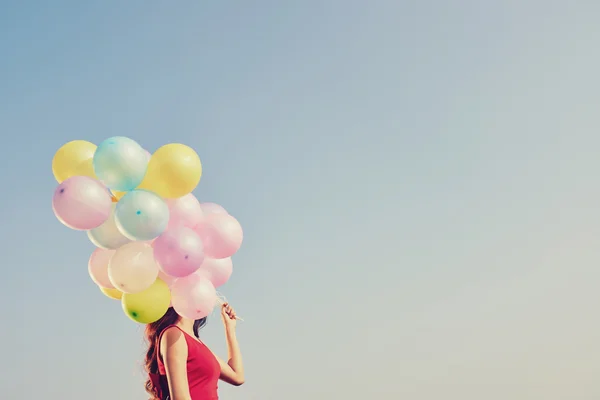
(417, 180)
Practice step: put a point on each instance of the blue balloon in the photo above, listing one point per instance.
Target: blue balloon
(141, 215)
(120, 163)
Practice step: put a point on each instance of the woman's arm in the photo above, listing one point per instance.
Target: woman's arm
(174, 350)
(232, 372)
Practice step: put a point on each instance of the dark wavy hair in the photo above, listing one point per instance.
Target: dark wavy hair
(153, 332)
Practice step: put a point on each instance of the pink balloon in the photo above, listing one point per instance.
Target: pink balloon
(178, 252)
(98, 267)
(184, 211)
(221, 235)
(218, 271)
(168, 279)
(212, 208)
(81, 203)
(193, 297)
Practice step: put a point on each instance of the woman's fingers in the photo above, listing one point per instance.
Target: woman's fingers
(226, 309)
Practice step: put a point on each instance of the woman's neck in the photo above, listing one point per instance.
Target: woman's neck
(187, 325)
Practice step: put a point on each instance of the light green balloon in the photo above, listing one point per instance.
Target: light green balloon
(141, 215)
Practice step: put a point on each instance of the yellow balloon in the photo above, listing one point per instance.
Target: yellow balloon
(174, 170)
(85, 168)
(72, 159)
(112, 293)
(117, 195)
(148, 305)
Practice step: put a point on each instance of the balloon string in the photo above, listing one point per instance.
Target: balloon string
(221, 299)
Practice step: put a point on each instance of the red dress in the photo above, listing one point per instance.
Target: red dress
(203, 370)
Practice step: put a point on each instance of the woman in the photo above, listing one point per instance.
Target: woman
(181, 367)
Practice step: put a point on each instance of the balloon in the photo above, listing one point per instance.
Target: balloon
(212, 208)
(132, 268)
(173, 171)
(85, 168)
(112, 293)
(72, 159)
(184, 211)
(120, 163)
(221, 235)
(178, 252)
(141, 215)
(98, 267)
(117, 194)
(107, 235)
(149, 305)
(193, 297)
(81, 203)
(168, 279)
(218, 271)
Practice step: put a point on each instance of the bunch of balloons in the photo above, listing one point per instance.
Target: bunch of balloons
(157, 245)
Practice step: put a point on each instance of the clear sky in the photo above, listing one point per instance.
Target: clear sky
(417, 181)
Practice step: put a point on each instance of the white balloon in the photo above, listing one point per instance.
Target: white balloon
(132, 268)
(107, 235)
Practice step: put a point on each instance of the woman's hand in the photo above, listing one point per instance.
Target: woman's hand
(228, 315)
(232, 371)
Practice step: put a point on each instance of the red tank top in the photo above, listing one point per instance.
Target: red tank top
(203, 370)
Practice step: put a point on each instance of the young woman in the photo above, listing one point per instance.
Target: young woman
(181, 367)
